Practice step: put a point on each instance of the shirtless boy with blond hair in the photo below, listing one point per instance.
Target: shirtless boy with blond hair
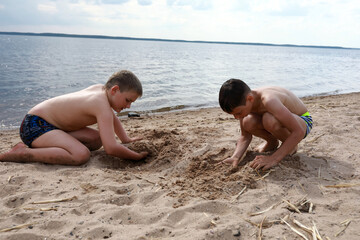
(271, 113)
(57, 130)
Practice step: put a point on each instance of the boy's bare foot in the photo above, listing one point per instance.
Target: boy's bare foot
(267, 146)
(15, 154)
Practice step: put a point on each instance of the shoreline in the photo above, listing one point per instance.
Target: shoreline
(166, 40)
(179, 192)
(180, 108)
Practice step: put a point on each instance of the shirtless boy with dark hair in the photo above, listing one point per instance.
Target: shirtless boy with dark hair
(271, 113)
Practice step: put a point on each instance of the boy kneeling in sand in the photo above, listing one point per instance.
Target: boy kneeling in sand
(57, 131)
(271, 113)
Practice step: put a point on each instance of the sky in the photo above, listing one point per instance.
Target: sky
(299, 22)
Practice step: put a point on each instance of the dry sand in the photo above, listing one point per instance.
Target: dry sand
(180, 193)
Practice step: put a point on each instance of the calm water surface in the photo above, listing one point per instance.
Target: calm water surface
(173, 74)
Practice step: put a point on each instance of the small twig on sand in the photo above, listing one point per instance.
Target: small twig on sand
(303, 227)
(16, 227)
(316, 231)
(295, 230)
(264, 211)
(345, 224)
(41, 209)
(260, 228)
(211, 221)
(258, 173)
(265, 224)
(344, 185)
(265, 175)
(241, 192)
(302, 188)
(292, 206)
(9, 178)
(144, 179)
(311, 207)
(302, 200)
(316, 138)
(55, 200)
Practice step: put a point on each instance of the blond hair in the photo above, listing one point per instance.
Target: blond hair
(126, 80)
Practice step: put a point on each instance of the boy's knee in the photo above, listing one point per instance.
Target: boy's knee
(270, 123)
(250, 123)
(81, 156)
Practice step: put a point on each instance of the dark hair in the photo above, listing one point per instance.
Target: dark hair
(232, 94)
(126, 80)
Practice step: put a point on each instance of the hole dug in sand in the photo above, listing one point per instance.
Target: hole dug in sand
(185, 172)
(206, 179)
(163, 147)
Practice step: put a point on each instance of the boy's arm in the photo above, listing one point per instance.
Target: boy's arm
(289, 121)
(111, 146)
(121, 133)
(241, 146)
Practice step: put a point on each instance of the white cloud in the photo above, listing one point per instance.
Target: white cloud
(49, 7)
(114, 1)
(195, 4)
(144, 2)
(308, 22)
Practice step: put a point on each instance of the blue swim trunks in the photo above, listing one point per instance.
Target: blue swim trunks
(33, 127)
(308, 121)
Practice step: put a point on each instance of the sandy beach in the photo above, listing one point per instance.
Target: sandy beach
(179, 192)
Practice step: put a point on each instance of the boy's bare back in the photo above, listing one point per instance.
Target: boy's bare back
(75, 110)
(270, 95)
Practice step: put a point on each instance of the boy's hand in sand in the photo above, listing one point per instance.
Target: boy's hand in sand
(133, 139)
(231, 160)
(142, 155)
(264, 162)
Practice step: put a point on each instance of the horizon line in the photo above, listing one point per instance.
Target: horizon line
(45, 34)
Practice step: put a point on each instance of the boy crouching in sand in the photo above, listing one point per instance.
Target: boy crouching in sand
(56, 130)
(271, 113)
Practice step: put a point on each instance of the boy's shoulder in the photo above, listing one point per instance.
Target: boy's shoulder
(273, 92)
(92, 98)
(272, 97)
(271, 89)
(96, 93)
(95, 101)
(95, 87)
(269, 95)
(92, 92)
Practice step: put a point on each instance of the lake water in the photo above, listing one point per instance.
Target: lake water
(174, 75)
